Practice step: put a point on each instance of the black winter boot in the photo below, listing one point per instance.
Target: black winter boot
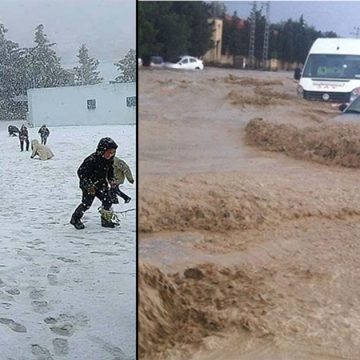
(108, 224)
(106, 219)
(77, 224)
(76, 217)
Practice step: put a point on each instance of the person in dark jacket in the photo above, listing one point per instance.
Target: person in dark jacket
(96, 175)
(24, 136)
(44, 133)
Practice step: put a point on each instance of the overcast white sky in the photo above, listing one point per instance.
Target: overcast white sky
(107, 27)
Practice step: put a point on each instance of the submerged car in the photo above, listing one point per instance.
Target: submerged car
(186, 63)
(156, 61)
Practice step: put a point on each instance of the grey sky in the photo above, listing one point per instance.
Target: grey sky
(339, 16)
(107, 27)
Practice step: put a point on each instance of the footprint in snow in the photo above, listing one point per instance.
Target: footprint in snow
(13, 325)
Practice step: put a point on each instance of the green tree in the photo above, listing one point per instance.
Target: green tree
(235, 36)
(198, 27)
(291, 40)
(147, 34)
(173, 36)
(288, 43)
(173, 28)
(86, 73)
(127, 68)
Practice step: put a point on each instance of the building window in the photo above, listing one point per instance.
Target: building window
(91, 104)
(131, 101)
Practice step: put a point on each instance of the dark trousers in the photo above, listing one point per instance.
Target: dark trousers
(22, 144)
(116, 191)
(122, 194)
(43, 139)
(102, 193)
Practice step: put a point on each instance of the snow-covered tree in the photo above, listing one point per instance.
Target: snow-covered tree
(42, 64)
(11, 74)
(127, 67)
(86, 73)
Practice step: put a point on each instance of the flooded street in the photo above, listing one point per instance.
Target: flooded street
(248, 228)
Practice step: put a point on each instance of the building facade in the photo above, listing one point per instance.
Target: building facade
(214, 54)
(102, 104)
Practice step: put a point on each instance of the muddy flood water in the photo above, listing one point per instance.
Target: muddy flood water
(249, 209)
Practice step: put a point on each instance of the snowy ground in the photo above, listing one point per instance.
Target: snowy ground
(64, 294)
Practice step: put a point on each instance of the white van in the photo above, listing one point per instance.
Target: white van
(332, 70)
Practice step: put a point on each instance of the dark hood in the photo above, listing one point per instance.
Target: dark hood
(105, 144)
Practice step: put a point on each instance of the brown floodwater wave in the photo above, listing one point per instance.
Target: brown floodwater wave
(330, 144)
(183, 309)
(204, 202)
(216, 312)
(265, 246)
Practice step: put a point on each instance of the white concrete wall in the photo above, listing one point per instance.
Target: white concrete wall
(68, 105)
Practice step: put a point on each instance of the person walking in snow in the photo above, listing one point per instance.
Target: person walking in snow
(44, 133)
(96, 173)
(40, 150)
(121, 171)
(24, 136)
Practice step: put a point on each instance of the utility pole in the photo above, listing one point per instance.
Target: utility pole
(252, 35)
(266, 35)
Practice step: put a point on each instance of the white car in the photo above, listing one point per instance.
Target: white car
(186, 63)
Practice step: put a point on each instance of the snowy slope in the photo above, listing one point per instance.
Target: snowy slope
(64, 294)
